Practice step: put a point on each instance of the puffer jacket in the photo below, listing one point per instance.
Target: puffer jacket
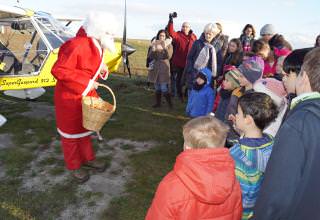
(202, 185)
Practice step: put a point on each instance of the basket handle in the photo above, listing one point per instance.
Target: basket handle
(113, 96)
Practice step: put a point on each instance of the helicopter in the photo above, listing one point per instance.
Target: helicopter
(29, 45)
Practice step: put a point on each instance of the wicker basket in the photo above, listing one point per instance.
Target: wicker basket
(96, 112)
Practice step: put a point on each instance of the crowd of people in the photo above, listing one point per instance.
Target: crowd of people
(250, 148)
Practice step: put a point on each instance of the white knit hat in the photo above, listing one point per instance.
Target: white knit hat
(268, 29)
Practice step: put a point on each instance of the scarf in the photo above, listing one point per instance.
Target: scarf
(203, 59)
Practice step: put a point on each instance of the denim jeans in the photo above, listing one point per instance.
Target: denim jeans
(161, 87)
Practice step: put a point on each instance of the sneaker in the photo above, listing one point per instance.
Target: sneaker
(80, 175)
(97, 165)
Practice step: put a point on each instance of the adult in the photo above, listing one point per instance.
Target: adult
(267, 32)
(183, 41)
(290, 188)
(220, 43)
(202, 54)
(159, 74)
(317, 44)
(247, 37)
(80, 61)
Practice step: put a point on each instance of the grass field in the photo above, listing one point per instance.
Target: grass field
(140, 146)
(138, 59)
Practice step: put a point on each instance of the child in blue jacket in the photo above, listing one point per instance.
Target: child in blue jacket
(201, 97)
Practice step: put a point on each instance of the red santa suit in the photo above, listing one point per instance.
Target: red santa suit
(78, 65)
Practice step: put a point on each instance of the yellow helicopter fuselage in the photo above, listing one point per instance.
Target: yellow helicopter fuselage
(38, 28)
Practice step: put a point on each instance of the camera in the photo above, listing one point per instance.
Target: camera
(173, 15)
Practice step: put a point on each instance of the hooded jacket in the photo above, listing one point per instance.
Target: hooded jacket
(202, 185)
(200, 102)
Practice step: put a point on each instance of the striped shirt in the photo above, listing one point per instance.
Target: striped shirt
(251, 156)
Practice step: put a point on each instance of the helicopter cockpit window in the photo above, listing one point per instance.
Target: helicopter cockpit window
(56, 33)
(19, 51)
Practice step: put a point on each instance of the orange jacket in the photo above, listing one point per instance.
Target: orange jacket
(202, 185)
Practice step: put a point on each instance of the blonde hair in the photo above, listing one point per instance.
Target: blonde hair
(205, 132)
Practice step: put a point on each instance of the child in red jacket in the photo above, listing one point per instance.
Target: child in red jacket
(202, 184)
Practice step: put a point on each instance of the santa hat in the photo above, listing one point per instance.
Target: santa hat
(272, 87)
(101, 26)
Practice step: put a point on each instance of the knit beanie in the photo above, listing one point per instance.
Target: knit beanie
(272, 87)
(233, 77)
(251, 70)
(267, 29)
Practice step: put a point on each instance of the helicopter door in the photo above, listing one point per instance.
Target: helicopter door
(19, 53)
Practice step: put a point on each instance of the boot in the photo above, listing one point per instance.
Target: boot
(158, 100)
(80, 175)
(99, 166)
(168, 98)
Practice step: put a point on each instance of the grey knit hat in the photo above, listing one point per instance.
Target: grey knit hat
(267, 29)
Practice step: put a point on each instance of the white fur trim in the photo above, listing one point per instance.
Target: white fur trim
(96, 43)
(89, 86)
(87, 90)
(74, 136)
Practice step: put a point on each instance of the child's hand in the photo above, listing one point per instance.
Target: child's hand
(232, 118)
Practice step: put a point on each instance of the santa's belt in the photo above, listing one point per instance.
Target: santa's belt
(74, 136)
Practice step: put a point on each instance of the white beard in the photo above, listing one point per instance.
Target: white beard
(107, 42)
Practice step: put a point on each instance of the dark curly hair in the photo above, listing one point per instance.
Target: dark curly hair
(162, 31)
(260, 107)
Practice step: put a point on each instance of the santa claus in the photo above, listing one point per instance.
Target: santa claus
(79, 65)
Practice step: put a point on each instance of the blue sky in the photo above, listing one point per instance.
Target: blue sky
(297, 20)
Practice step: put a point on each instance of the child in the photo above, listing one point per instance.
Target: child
(247, 37)
(202, 184)
(201, 97)
(275, 89)
(252, 152)
(250, 71)
(230, 83)
(235, 53)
